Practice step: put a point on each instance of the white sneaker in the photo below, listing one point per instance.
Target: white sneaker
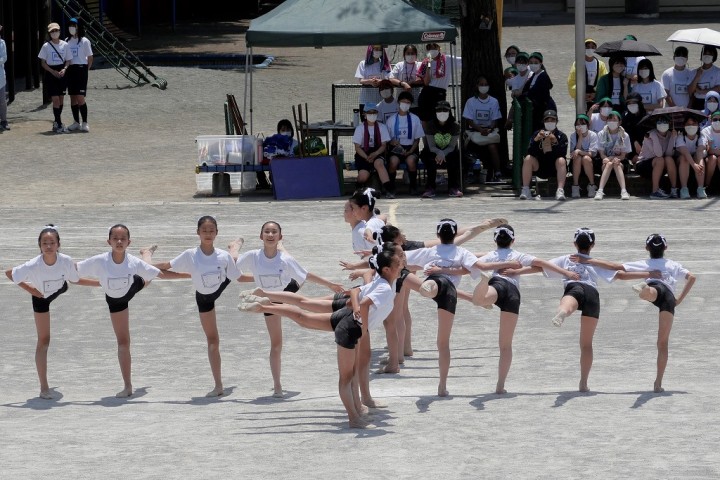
(591, 191)
(624, 195)
(74, 126)
(575, 191)
(560, 194)
(525, 193)
(84, 127)
(599, 195)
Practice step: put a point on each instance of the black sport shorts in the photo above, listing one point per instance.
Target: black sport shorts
(206, 302)
(508, 295)
(42, 305)
(446, 298)
(347, 330)
(665, 300)
(587, 297)
(119, 304)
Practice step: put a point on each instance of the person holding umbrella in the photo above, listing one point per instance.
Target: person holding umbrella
(707, 77)
(676, 80)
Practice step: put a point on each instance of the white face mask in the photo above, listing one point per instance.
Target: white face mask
(605, 111)
(613, 125)
(433, 53)
(386, 93)
(72, 30)
(707, 59)
(680, 61)
(522, 67)
(582, 129)
(550, 126)
(510, 59)
(404, 106)
(711, 106)
(716, 125)
(410, 58)
(589, 52)
(377, 54)
(633, 108)
(534, 67)
(442, 116)
(286, 133)
(644, 73)
(371, 117)
(484, 89)
(662, 127)
(691, 130)
(54, 35)
(619, 68)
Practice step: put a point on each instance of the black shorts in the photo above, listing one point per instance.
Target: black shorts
(42, 305)
(412, 245)
(508, 295)
(645, 168)
(362, 164)
(446, 298)
(402, 157)
(399, 282)
(290, 287)
(119, 304)
(587, 297)
(665, 300)
(546, 165)
(206, 301)
(55, 86)
(427, 100)
(339, 301)
(77, 79)
(347, 330)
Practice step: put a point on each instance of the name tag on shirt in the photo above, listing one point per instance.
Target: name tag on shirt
(75, 51)
(646, 97)
(211, 279)
(118, 283)
(616, 96)
(704, 85)
(681, 89)
(55, 58)
(52, 285)
(270, 281)
(403, 132)
(482, 115)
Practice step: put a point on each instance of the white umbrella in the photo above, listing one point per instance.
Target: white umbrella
(700, 36)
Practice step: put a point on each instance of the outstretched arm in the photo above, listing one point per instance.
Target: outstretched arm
(87, 282)
(353, 266)
(335, 287)
(597, 262)
(511, 264)
(521, 271)
(545, 265)
(435, 270)
(623, 275)
(466, 234)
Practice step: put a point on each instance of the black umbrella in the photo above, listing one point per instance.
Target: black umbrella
(627, 48)
(678, 115)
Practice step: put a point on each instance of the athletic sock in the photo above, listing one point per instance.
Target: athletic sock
(83, 112)
(388, 187)
(413, 179)
(56, 113)
(75, 112)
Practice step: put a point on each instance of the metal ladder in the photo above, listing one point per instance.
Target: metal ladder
(110, 47)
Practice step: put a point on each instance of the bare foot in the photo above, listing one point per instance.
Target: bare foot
(373, 404)
(215, 392)
(236, 245)
(146, 253)
(46, 395)
(125, 393)
(250, 307)
(363, 410)
(257, 291)
(360, 424)
(583, 387)
(442, 391)
(388, 369)
(257, 299)
(500, 390)
(408, 353)
(657, 388)
(278, 392)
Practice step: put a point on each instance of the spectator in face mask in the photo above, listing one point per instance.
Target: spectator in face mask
(676, 80)
(546, 156)
(537, 89)
(370, 71)
(651, 91)
(598, 114)
(594, 69)
(712, 105)
(55, 57)
(404, 74)
(707, 77)
(388, 106)
(614, 85)
(656, 158)
(633, 114)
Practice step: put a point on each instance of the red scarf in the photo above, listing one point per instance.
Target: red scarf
(439, 66)
(366, 137)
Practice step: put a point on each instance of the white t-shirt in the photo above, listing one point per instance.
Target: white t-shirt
(387, 110)
(596, 122)
(617, 85)
(589, 274)
(482, 112)
(208, 271)
(358, 240)
(359, 135)
(676, 82)
(671, 271)
(444, 256)
(709, 79)
(57, 55)
(80, 50)
(407, 72)
(46, 278)
(613, 145)
(364, 72)
(651, 92)
(589, 142)
(691, 144)
(591, 68)
(444, 81)
(397, 126)
(272, 274)
(507, 255)
(375, 225)
(518, 82)
(710, 138)
(382, 295)
(116, 278)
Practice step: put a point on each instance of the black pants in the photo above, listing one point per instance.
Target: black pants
(452, 163)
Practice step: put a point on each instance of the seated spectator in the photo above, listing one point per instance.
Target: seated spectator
(370, 71)
(711, 141)
(598, 114)
(633, 114)
(712, 105)
(405, 131)
(594, 69)
(613, 146)
(482, 117)
(614, 85)
(546, 156)
(369, 139)
(651, 91)
(441, 151)
(583, 153)
(656, 157)
(676, 80)
(690, 152)
(707, 77)
(388, 106)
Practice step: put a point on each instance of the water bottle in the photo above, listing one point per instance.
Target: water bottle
(341, 155)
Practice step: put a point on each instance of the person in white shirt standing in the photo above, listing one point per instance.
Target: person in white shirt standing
(404, 73)
(77, 74)
(55, 58)
(677, 79)
(3, 83)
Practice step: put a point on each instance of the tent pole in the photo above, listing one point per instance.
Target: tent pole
(251, 95)
(455, 104)
(247, 68)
